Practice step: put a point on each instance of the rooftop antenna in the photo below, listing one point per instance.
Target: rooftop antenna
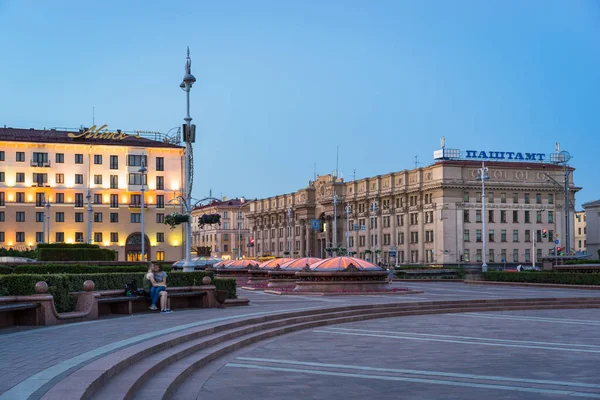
(337, 160)
(93, 116)
(315, 172)
(443, 142)
(354, 174)
(417, 162)
(557, 147)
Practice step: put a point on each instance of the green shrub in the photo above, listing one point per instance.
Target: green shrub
(565, 278)
(5, 270)
(60, 285)
(78, 269)
(18, 253)
(227, 284)
(67, 246)
(76, 254)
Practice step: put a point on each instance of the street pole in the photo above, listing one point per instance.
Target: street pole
(142, 172)
(48, 220)
(240, 232)
(374, 209)
(289, 242)
(483, 176)
(186, 85)
(534, 232)
(567, 212)
(44, 223)
(89, 210)
(335, 243)
(348, 211)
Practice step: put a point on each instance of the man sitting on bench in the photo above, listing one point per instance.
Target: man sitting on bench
(158, 279)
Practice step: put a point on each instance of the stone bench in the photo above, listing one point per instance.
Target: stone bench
(113, 301)
(18, 313)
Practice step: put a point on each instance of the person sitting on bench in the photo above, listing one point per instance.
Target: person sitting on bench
(158, 279)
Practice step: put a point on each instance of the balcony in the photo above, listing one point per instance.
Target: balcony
(39, 164)
(137, 205)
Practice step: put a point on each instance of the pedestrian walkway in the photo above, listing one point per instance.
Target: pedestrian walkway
(33, 360)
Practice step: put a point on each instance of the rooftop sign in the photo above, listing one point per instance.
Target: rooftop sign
(487, 155)
(96, 133)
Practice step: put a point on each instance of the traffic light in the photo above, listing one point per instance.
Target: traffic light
(462, 258)
(544, 233)
(561, 251)
(252, 242)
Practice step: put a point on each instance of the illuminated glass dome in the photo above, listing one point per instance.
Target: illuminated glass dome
(298, 263)
(342, 263)
(222, 264)
(241, 264)
(272, 264)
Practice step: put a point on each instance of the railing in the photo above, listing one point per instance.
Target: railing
(137, 205)
(40, 164)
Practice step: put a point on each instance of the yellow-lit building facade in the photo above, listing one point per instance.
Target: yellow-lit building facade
(47, 175)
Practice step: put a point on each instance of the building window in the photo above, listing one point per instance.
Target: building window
(527, 218)
(98, 159)
(136, 179)
(60, 178)
(2, 177)
(114, 237)
(550, 236)
(136, 218)
(39, 199)
(78, 199)
(60, 237)
(515, 216)
(20, 216)
(39, 216)
(60, 198)
(478, 255)
(526, 196)
(39, 160)
(59, 158)
(98, 217)
(490, 197)
(135, 160)
(538, 236)
(515, 235)
(78, 217)
(527, 255)
(491, 255)
(20, 177)
(478, 197)
(160, 201)
(400, 220)
(79, 237)
(98, 198)
(114, 217)
(160, 163)
(503, 235)
(466, 197)
(160, 237)
(550, 217)
(39, 237)
(538, 198)
(361, 241)
(477, 215)
(20, 237)
(491, 216)
(20, 157)
(467, 255)
(515, 198)
(114, 162)
(466, 216)
(160, 218)
(414, 237)
(400, 238)
(503, 255)
(60, 217)
(503, 216)
(502, 197)
(2, 155)
(538, 217)
(79, 179)
(466, 235)
(114, 181)
(40, 179)
(478, 235)
(114, 201)
(160, 255)
(491, 235)
(20, 197)
(550, 198)
(98, 237)
(97, 179)
(428, 236)
(78, 158)
(160, 183)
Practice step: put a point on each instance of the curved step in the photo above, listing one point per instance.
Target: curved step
(172, 358)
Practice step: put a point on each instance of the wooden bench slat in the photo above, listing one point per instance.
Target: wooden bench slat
(17, 307)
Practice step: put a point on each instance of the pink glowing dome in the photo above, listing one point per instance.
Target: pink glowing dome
(272, 264)
(241, 264)
(299, 263)
(222, 264)
(341, 263)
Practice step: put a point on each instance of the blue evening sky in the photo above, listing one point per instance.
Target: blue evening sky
(282, 83)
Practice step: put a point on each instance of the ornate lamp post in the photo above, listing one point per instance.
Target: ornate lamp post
(47, 217)
(374, 208)
(142, 171)
(483, 176)
(289, 237)
(335, 201)
(189, 137)
(348, 212)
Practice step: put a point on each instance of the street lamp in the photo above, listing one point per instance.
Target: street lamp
(374, 208)
(189, 138)
(239, 238)
(142, 171)
(483, 176)
(89, 210)
(335, 242)
(289, 237)
(535, 233)
(348, 212)
(47, 217)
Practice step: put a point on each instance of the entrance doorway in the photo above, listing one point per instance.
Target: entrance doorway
(133, 247)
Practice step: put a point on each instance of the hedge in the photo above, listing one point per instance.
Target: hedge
(5, 270)
(79, 269)
(60, 285)
(564, 278)
(228, 284)
(76, 254)
(67, 246)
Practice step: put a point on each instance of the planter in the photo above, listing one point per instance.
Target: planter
(221, 296)
(175, 219)
(209, 219)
